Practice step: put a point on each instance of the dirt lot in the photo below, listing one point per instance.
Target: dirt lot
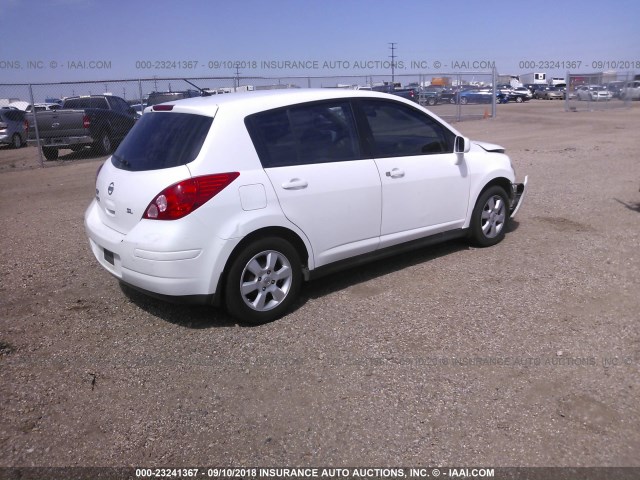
(524, 354)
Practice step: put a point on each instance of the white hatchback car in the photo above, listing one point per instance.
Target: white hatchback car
(593, 93)
(237, 199)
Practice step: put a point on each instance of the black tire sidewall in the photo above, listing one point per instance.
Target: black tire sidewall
(100, 145)
(50, 153)
(476, 234)
(233, 299)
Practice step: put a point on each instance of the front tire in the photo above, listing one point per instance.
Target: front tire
(490, 217)
(263, 281)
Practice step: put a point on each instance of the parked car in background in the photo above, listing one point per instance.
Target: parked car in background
(615, 88)
(449, 94)
(236, 200)
(593, 93)
(41, 107)
(408, 93)
(631, 91)
(161, 97)
(536, 88)
(514, 96)
(475, 95)
(99, 121)
(430, 95)
(13, 127)
(551, 93)
(524, 91)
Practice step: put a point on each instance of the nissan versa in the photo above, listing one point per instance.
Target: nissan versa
(236, 199)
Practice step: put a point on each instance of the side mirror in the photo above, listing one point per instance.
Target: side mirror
(462, 145)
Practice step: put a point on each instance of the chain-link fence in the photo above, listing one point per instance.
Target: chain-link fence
(138, 92)
(111, 106)
(600, 90)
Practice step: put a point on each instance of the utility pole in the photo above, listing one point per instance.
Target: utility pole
(393, 61)
(237, 81)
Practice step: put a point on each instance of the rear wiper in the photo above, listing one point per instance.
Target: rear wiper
(202, 91)
(121, 161)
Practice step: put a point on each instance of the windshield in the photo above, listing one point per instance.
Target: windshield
(162, 140)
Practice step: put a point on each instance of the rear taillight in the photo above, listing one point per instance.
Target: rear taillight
(162, 108)
(182, 198)
(86, 121)
(26, 127)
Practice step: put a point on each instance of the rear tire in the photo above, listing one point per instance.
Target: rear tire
(104, 145)
(16, 141)
(490, 217)
(50, 153)
(263, 281)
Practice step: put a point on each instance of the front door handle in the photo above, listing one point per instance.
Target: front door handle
(295, 184)
(395, 173)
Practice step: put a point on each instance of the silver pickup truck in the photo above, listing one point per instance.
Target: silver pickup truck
(98, 121)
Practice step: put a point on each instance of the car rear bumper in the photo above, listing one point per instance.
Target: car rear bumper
(161, 268)
(62, 142)
(519, 191)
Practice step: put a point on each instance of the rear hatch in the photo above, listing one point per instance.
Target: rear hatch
(153, 156)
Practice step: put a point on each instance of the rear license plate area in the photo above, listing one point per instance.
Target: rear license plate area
(109, 257)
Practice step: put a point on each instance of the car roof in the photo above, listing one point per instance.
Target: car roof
(251, 102)
(246, 103)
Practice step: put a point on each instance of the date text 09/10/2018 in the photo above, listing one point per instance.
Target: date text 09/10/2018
(577, 64)
(313, 472)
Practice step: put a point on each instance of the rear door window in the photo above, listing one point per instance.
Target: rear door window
(162, 140)
(305, 134)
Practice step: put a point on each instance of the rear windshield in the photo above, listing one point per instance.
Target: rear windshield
(12, 115)
(162, 140)
(81, 103)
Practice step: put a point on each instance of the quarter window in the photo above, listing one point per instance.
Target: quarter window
(398, 130)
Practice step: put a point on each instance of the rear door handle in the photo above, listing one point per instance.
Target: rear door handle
(395, 173)
(295, 184)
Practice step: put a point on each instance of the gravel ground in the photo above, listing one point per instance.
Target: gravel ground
(523, 354)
